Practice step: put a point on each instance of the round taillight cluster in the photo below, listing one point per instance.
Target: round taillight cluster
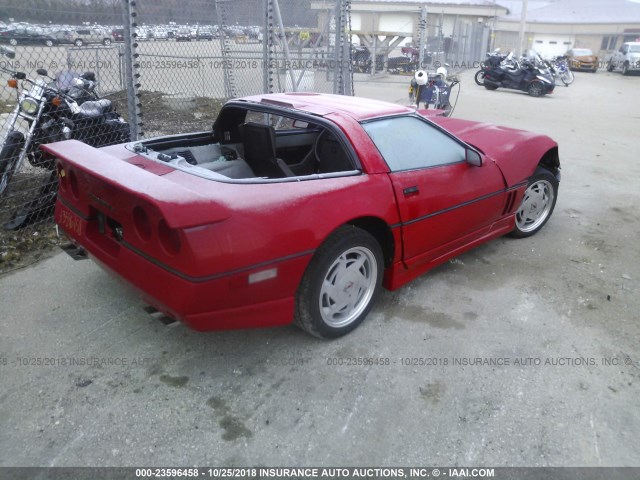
(142, 223)
(169, 238)
(73, 184)
(62, 176)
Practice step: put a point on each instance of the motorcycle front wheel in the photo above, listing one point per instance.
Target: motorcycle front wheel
(567, 77)
(479, 77)
(9, 156)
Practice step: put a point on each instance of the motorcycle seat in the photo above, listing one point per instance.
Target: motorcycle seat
(93, 109)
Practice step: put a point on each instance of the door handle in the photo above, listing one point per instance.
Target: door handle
(410, 191)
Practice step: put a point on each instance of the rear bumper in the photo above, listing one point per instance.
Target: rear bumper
(217, 302)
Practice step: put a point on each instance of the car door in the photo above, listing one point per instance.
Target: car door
(444, 202)
(620, 55)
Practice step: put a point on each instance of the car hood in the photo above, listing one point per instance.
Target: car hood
(517, 152)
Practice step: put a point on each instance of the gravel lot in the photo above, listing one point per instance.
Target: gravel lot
(556, 310)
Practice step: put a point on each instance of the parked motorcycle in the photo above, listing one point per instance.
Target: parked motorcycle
(494, 59)
(50, 110)
(562, 71)
(524, 76)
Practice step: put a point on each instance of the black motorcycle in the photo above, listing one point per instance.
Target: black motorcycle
(50, 110)
(494, 59)
(524, 76)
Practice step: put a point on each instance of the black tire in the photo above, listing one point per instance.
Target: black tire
(479, 77)
(13, 42)
(106, 42)
(333, 266)
(610, 66)
(8, 158)
(78, 42)
(490, 87)
(48, 43)
(537, 204)
(625, 69)
(536, 89)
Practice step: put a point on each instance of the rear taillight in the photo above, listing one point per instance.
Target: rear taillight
(142, 223)
(62, 176)
(73, 184)
(169, 238)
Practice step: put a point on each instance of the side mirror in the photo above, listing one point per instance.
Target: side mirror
(472, 157)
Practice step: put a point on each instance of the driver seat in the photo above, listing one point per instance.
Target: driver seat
(259, 143)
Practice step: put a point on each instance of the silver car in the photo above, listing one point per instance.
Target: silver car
(84, 36)
(627, 58)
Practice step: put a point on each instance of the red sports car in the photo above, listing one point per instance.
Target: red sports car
(299, 207)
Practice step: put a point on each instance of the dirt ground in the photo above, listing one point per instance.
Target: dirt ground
(88, 378)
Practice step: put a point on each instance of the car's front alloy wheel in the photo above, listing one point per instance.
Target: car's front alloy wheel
(341, 283)
(537, 204)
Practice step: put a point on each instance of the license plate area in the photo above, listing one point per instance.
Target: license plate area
(104, 231)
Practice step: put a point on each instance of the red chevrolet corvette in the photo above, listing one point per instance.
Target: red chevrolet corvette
(299, 207)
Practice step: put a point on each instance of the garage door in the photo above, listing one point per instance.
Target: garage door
(549, 46)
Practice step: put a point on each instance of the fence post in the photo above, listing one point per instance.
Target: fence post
(130, 67)
(229, 84)
(267, 81)
(422, 34)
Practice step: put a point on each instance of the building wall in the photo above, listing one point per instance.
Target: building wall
(601, 38)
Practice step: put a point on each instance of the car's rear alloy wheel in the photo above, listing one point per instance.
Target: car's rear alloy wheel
(341, 283)
(537, 204)
(78, 43)
(13, 42)
(106, 42)
(49, 43)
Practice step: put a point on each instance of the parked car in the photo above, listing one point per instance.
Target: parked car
(183, 35)
(61, 35)
(160, 34)
(117, 34)
(299, 207)
(84, 36)
(626, 59)
(204, 33)
(582, 59)
(27, 36)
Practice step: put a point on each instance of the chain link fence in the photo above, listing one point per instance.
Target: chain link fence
(164, 66)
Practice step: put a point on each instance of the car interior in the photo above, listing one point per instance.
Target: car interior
(254, 145)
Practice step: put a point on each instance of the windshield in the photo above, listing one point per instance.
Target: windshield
(65, 79)
(634, 48)
(582, 52)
